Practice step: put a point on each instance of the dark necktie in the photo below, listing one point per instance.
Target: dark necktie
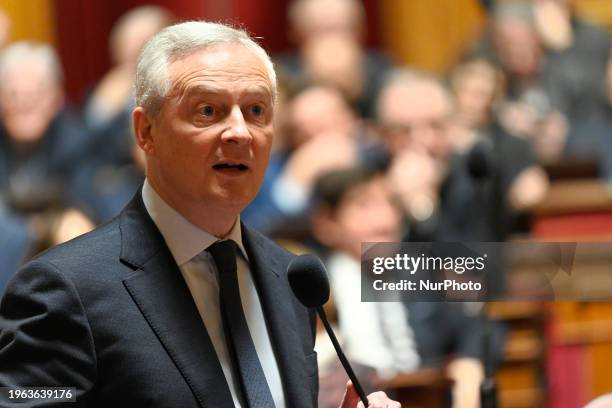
(240, 344)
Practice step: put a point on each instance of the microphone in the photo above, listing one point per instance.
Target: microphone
(308, 280)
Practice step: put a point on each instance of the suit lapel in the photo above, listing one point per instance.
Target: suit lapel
(161, 294)
(277, 303)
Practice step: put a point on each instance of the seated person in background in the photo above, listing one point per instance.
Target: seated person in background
(533, 107)
(493, 175)
(114, 94)
(322, 134)
(41, 146)
(431, 148)
(477, 86)
(413, 110)
(429, 174)
(577, 52)
(329, 36)
(353, 206)
(109, 180)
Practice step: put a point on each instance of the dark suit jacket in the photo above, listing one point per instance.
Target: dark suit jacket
(110, 314)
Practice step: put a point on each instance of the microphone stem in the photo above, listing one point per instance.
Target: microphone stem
(342, 357)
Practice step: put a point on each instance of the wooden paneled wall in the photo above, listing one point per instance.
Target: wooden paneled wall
(30, 19)
(596, 11)
(429, 34)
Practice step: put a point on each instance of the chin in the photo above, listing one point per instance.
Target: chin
(233, 199)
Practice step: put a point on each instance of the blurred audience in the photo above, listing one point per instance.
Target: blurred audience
(322, 134)
(460, 175)
(493, 175)
(114, 93)
(532, 108)
(41, 149)
(329, 38)
(577, 53)
(581, 53)
(355, 205)
(413, 111)
(478, 87)
(109, 180)
(555, 65)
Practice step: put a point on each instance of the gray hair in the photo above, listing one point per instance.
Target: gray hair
(30, 52)
(152, 82)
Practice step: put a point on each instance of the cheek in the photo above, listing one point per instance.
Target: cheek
(183, 147)
(262, 145)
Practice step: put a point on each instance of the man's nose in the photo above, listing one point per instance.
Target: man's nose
(237, 130)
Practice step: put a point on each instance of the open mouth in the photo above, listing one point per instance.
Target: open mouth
(234, 167)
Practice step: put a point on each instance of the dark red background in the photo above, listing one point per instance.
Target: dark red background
(83, 28)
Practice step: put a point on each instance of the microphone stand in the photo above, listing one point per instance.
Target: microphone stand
(482, 169)
(488, 387)
(342, 357)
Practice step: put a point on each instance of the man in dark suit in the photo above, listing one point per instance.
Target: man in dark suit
(174, 303)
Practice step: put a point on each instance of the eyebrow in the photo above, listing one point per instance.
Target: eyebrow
(207, 89)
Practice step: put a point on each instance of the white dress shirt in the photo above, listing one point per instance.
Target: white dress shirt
(186, 241)
(376, 334)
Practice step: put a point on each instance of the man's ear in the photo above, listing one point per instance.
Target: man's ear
(143, 124)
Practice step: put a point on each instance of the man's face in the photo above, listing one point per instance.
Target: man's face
(414, 118)
(368, 213)
(210, 143)
(518, 47)
(29, 100)
(475, 90)
(319, 111)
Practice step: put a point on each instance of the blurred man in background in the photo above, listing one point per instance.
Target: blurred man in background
(41, 149)
(321, 134)
(329, 38)
(412, 113)
(353, 206)
(112, 176)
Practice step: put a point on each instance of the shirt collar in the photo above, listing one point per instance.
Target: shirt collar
(184, 239)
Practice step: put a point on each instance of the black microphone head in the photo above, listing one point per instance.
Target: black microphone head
(308, 279)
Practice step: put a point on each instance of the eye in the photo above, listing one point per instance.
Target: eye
(207, 110)
(257, 110)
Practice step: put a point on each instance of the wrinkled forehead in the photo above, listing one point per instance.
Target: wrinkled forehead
(223, 64)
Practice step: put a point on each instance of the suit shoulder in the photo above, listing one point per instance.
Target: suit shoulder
(273, 247)
(90, 249)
